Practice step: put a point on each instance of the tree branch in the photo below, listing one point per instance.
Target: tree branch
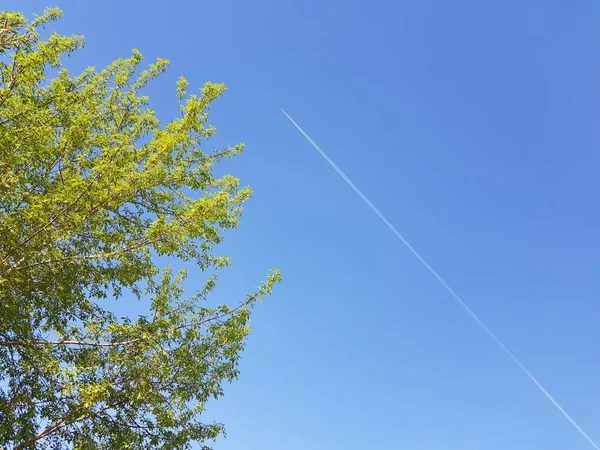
(14, 343)
(68, 342)
(61, 423)
(136, 246)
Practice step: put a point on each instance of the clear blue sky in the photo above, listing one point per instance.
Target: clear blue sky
(474, 126)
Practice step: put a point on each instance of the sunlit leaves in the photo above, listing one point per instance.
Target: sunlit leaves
(92, 189)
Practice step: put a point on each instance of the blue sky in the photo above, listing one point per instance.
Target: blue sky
(473, 126)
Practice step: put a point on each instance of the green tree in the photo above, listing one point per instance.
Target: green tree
(92, 189)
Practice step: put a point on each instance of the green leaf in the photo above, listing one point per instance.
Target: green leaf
(92, 189)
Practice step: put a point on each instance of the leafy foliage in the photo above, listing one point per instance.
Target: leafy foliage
(92, 189)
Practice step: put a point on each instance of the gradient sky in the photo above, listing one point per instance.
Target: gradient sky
(474, 127)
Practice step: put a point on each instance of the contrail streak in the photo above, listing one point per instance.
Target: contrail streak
(437, 276)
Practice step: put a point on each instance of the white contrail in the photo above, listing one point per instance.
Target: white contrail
(437, 276)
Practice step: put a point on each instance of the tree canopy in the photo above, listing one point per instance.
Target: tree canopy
(93, 188)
